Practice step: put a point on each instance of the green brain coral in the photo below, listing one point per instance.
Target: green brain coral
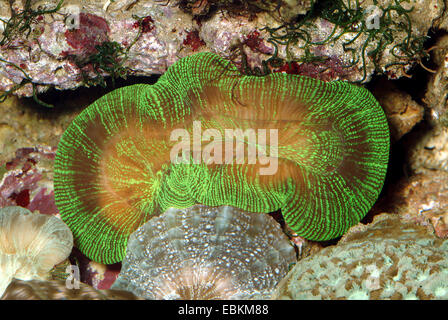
(114, 167)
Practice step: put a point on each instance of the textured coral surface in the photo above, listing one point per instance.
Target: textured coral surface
(206, 253)
(388, 259)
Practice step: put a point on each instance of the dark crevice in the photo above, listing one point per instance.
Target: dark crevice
(69, 101)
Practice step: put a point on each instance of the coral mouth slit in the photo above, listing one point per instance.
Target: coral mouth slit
(113, 170)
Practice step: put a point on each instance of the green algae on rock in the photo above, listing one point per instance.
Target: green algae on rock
(114, 168)
(206, 253)
(387, 259)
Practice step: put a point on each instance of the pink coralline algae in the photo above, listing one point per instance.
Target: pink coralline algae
(326, 68)
(193, 40)
(93, 30)
(26, 182)
(290, 68)
(256, 43)
(147, 24)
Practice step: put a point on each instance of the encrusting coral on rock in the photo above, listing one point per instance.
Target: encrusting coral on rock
(28, 180)
(206, 253)
(30, 245)
(66, 44)
(423, 198)
(387, 259)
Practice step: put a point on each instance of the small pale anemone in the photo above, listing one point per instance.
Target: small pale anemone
(206, 252)
(30, 245)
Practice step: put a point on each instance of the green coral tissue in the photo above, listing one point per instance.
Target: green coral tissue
(114, 167)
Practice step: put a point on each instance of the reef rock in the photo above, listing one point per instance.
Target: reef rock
(27, 180)
(206, 253)
(388, 259)
(99, 276)
(437, 88)
(423, 198)
(72, 43)
(402, 112)
(430, 151)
